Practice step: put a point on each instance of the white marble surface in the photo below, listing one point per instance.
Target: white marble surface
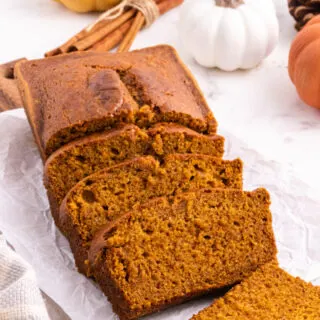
(259, 111)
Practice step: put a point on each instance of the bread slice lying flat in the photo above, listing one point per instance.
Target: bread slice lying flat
(269, 294)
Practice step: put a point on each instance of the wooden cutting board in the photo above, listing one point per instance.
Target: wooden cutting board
(9, 93)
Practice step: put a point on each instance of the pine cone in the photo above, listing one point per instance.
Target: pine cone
(303, 11)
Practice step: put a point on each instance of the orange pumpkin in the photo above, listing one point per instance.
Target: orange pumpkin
(304, 63)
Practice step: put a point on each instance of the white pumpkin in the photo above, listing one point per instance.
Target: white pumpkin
(229, 34)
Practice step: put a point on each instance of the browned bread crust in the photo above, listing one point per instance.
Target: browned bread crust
(170, 250)
(106, 195)
(269, 294)
(70, 96)
(85, 156)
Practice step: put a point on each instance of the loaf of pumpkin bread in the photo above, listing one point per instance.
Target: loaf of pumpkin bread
(269, 294)
(70, 96)
(104, 196)
(170, 250)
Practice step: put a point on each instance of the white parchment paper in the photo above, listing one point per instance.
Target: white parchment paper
(26, 222)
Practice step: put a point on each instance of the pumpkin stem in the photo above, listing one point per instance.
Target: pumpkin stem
(229, 3)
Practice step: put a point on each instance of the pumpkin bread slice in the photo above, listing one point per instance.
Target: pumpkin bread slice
(269, 294)
(85, 156)
(104, 196)
(170, 250)
(70, 96)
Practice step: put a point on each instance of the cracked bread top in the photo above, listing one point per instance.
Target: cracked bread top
(69, 96)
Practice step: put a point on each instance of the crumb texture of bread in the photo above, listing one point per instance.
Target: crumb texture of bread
(83, 157)
(269, 294)
(169, 250)
(104, 196)
(73, 95)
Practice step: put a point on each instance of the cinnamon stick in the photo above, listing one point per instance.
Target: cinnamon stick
(163, 5)
(101, 33)
(133, 31)
(64, 48)
(107, 34)
(112, 40)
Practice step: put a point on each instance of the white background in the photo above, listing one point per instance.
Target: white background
(258, 111)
